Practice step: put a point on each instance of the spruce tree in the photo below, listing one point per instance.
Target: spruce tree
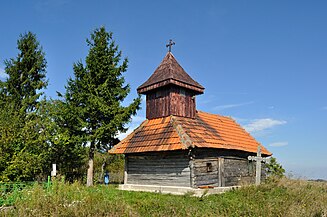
(95, 95)
(23, 151)
(27, 74)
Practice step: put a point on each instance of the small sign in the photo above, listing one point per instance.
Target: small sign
(54, 170)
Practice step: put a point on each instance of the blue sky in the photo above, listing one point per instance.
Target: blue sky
(263, 63)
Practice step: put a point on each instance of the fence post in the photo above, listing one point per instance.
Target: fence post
(48, 184)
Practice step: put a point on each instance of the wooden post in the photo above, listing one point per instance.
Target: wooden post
(125, 170)
(192, 177)
(258, 167)
(258, 160)
(221, 181)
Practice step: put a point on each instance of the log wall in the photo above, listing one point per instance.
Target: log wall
(229, 168)
(204, 167)
(161, 168)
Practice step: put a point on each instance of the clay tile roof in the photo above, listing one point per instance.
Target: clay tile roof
(176, 133)
(170, 72)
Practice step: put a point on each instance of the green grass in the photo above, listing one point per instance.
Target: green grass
(282, 198)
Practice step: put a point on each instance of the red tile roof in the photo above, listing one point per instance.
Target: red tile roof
(177, 133)
(170, 72)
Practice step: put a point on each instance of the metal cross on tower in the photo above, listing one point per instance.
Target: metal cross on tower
(258, 160)
(170, 44)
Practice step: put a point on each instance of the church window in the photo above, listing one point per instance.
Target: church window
(209, 167)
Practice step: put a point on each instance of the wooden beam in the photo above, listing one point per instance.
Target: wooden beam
(125, 170)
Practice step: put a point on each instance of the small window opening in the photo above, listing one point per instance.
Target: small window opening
(159, 94)
(182, 92)
(209, 167)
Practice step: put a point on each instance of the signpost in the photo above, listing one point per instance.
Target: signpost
(258, 159)
(54, 170)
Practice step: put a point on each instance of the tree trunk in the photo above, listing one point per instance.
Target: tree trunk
(102, 171)
(89, 181)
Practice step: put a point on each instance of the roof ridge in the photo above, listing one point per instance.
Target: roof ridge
(185, 139)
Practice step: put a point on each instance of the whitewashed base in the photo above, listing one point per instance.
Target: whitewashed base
(175, 190)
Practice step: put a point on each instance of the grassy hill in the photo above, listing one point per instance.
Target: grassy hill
(280, 198)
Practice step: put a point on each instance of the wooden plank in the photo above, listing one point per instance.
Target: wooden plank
(177, 167)
(204, 171)
(192, 175)
(220, 172)
(159, 180)
(158, 171)
(212, 176)
(125, 171)
(159, 176)
(213, 183)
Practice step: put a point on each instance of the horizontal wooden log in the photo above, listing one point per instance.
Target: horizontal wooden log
(205, 160)
(207, 178)
(159, 180)
(207, 183)
(213, 165)
(158, 172)
(158, 167)
(157, 177)
(160, 183)
(204, 173)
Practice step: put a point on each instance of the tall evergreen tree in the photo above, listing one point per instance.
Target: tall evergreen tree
(22, 151)
(27, 74)
(95, 95)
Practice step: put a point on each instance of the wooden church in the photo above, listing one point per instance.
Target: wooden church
(179, 147)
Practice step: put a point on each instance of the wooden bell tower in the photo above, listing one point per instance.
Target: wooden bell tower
(170, 90)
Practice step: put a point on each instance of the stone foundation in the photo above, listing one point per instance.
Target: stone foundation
(175, 190)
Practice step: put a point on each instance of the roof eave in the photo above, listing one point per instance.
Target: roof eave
(144, 89)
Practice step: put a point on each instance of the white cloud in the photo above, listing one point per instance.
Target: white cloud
(278, 144)
(262, 124)
(228, 106)
(3, 74)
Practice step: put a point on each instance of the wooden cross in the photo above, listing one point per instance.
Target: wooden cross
(170, 44)
(258, 159)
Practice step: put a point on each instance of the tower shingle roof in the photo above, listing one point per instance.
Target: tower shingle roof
(170, 72)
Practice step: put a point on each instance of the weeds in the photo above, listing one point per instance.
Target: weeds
(280, 198)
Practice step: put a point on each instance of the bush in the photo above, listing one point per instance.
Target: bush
(274, 169)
